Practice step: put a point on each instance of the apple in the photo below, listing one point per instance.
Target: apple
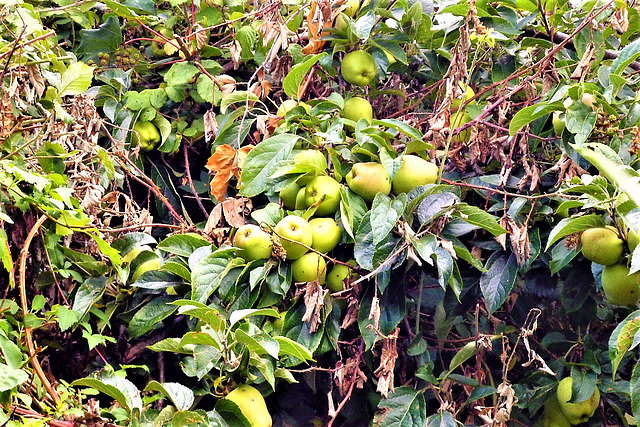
(338, 274)
(313, 158)
(326, 234)
(146, 135)
(368, 179)
(578, 412)
(285, 107)
(309, 268)
(552, 415)
(251, 405)
(149, 265)
(558, 122)
(252, 243)
(620, 287)
(130, 256)
(459, 119)
(414, 171)
(294, 230)
(288, 195)
(468, 94)
(301, 203)
(357, 108)
(632, 240)
(323, 187)
(358, 68)
(602, 245)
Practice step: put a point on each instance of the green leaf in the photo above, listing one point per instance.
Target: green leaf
(208, 273)
(237, 96)
(464, 354)
(180, 73)
(289, 347)
(209, 315)
(573, 225)
(76, 79)
(622, 339)
(295, 77)
(496, 283)
(151, 315)
(405, 407)
(11, 377)
(181, 396)
(385, 213)
(120, 389)
(531, 113)
(183, 244)
(262, 161)
(67, 317)
(476, 216)
(634, 384)
(11, 352)
(106, 38)
(441, 419)
(260, 344)
(239, 315)
(404, 128)
(626, 56)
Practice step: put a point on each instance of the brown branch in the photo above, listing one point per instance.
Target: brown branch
(25, 310)
(32, 414)
(506, 193)
(190, 180)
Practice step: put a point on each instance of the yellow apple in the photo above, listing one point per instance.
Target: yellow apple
(146, 135)
(309, 268)
(326, 234)
(414, 171)
(368, 179)
(251, 405)
(252, 243)
(293, 231)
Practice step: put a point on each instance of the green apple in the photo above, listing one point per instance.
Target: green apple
(251, 405)
(130, 256)
(288, 195)
(632, 240)
(309, 268)
(352, 7)
(602, 245)
(338, 274)
(326, 234)
(294, 230)
(578, 412)
(414, 171)
(558, 122)
(620, 287)
(459, 119)
(323, 187)
(358, 68)
(368, 179)
(301, 203)
(552, 415)
(313, 158)
(285, 107)
(252, 243)
(357, 108)
(146, 135)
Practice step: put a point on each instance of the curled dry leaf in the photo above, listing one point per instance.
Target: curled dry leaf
(388, 358)
(314, 301)
(318, 18)
(210, 126)
(226, 163)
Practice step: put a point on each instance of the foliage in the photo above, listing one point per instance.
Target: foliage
(470, 298)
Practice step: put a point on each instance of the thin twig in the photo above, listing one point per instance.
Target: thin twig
(193, 187)
(25, 309)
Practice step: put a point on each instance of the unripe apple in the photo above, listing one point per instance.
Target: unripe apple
(632, 240)
(368, 179)
(327, 187)
(468, 94)
(301, 203)
(552, 415)
(133, 253)
(288, 195)
(459, 119)
(326, 234)
(620, 287)
(358, 68)
(251, 405)
(252, 243)
(294, 230)
(338, 274)
(578, 412)
(602, 245)
(285, 107)
(357, 108)
(414, 171)
(558, 122)
(309, 268)
(149, 265)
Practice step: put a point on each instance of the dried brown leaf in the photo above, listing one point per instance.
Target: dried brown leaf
(314, 301)
(388, 358)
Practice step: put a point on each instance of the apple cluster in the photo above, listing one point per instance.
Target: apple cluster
(604, 245)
